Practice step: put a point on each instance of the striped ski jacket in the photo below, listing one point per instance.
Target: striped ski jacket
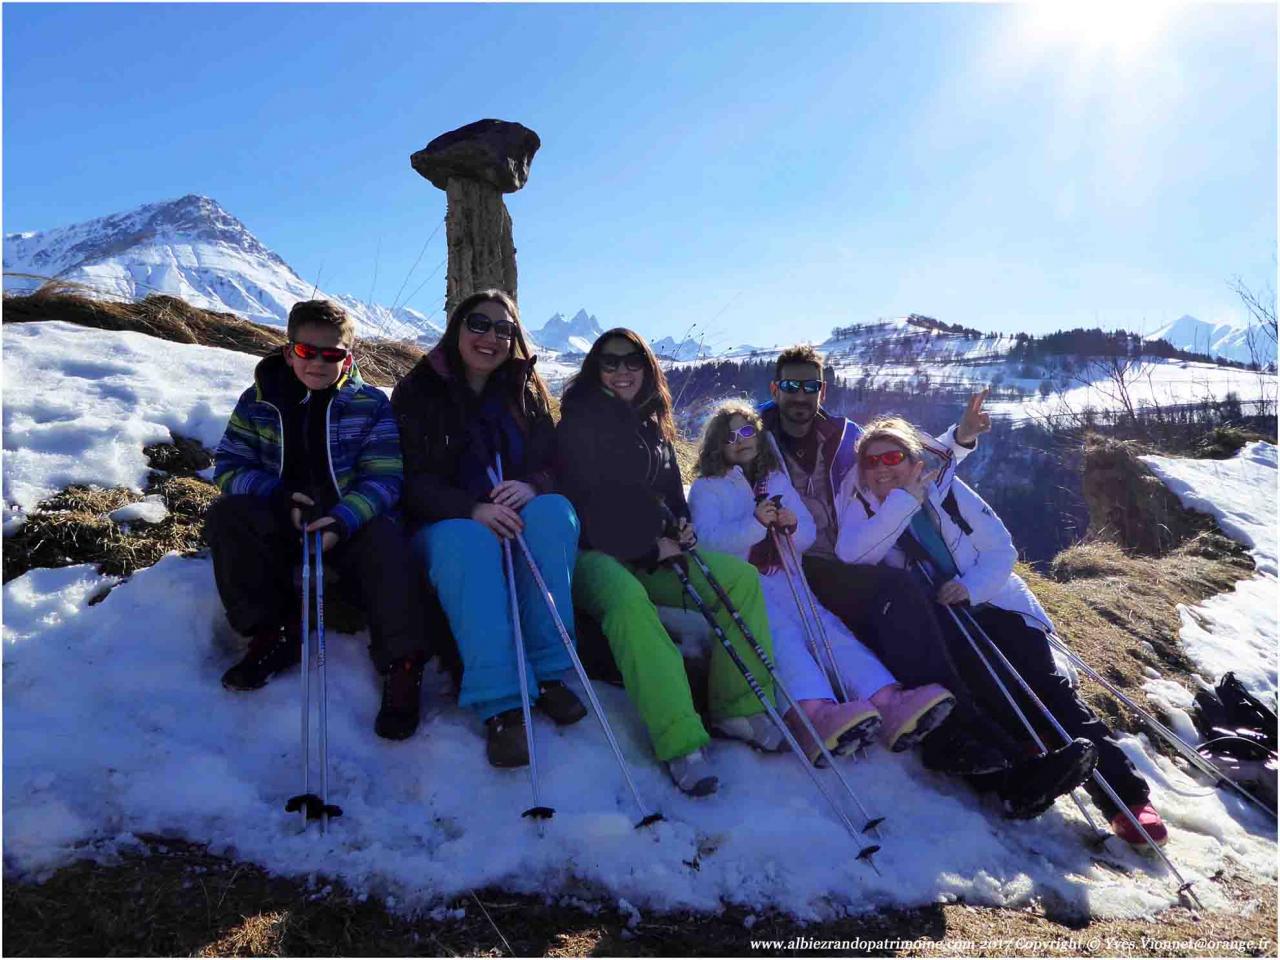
(363, 452)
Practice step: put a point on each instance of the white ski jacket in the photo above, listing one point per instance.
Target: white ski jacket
(870, 528)
(723, 511)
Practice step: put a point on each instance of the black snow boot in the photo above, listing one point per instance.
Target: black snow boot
(270, 651)
(507, 745)
(955, 750)
(401, 700)
(560, 703)
(1031, 786)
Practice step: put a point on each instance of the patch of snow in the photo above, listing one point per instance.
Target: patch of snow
(150, 509)
(1238, 630)
(80, 404)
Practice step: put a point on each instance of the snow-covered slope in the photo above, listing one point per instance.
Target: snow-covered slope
(1236, 630)
(139, 737)
(193, 249)
(1228, 340)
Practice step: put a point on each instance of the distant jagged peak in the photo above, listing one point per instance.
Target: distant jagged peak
(575, 335)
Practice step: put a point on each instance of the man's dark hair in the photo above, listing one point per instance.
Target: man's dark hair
(323, 313)
(800, 353)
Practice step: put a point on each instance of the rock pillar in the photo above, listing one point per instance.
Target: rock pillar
(475, 165)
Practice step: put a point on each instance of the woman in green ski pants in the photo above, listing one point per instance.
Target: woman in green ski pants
(616, 431)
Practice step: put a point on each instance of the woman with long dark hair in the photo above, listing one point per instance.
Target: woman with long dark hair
(616, 434)
(473, 402)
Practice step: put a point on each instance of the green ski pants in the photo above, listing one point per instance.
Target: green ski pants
(622, 599)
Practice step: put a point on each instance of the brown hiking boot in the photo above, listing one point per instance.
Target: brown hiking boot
(559, 703)
(401, 700)
(270, 651)
(507, 745)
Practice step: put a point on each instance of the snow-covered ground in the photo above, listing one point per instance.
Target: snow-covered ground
(1161, 383)
(80, 404)
(1235, 630)
(115, 725)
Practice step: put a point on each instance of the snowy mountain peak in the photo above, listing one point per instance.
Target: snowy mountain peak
(686, 349)
(575, 335)
(190, 248)
(191, 218)
(1230, 339)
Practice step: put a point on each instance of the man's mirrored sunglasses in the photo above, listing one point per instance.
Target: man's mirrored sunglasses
(307, 351)
(479, 324)
(795, 386)
(609, 362)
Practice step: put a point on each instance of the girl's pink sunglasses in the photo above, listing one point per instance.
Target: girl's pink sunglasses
(890, 458)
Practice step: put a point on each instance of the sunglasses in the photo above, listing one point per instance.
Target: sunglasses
(610, 362)
(744, 432)
(479, 324)
(305, 351)
(890, 458)
(795, 386)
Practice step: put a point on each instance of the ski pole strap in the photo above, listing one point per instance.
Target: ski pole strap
(313, 805)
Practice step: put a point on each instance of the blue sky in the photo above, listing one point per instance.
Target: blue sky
(764, 172)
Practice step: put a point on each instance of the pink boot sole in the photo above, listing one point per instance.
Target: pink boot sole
(911, 715)
(844, 727)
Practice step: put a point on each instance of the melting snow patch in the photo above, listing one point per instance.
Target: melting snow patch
(1237, 630)
(150, 509)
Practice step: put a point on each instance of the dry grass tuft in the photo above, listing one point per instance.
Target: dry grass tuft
(1129, 504)
(73, 527)
(382, 362)
(1107, 604)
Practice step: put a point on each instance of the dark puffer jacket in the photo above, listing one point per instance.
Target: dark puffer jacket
(604, 443)
(432, 404)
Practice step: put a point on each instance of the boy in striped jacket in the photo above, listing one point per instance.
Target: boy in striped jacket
(310, 446)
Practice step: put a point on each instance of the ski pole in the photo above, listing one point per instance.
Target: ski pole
(872, 823)
(813, 609)
(322, 671)
(314, 807)
(1098, 778)
(866, 852)
(538, 811)
(809, 630)
(1204, 764)
(571, 649)
(1013, 703)
(306, 673)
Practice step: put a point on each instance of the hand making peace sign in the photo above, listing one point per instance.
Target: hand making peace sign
(974, 421)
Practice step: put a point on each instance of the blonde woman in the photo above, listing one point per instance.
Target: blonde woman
(894, 511)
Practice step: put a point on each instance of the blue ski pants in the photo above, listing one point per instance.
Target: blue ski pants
(463, 560)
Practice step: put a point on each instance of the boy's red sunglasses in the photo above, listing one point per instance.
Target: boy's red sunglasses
(305, 351)
(890, 458)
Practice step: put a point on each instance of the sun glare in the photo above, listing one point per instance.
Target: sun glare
(1123, 30)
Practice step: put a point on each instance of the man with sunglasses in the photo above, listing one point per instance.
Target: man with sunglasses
(884, 607)
(310, 447)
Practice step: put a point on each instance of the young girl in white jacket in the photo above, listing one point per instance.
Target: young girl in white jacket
(890, 505)
(733, 508)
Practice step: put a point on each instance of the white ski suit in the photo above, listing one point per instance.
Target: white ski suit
(723, 511)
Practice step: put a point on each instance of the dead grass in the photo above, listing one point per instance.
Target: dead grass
(382, 362)
(176, 899)
(1119, 611)
(73, 527)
